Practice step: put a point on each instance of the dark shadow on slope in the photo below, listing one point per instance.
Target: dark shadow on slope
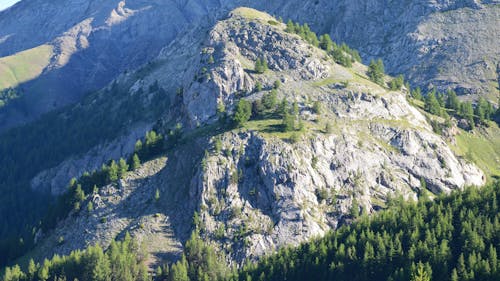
(178, 201)
(254, 187)
(110, 52)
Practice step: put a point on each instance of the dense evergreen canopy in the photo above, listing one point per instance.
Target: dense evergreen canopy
(457, 237)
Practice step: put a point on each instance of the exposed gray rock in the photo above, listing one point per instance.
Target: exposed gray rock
(237, 49)
(270, 189)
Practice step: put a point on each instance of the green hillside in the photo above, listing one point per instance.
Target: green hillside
(482, 147)
(24, 66)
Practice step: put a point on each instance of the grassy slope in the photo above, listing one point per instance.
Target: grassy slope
(24, 66)
(252, 14)
(481, 147)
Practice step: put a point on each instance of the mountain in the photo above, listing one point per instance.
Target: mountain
(323, 145)
(447, 44)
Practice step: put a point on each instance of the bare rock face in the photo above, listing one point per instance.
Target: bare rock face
(261, 194)
(228, 60)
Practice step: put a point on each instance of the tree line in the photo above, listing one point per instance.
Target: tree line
(342, 54)
(448, 105)
(445, 105)
(123, 260)
(456, 237)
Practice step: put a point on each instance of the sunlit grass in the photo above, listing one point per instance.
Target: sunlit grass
(24, 66)
(482, 146)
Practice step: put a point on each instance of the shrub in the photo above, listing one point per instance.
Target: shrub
(261, 65)
(277, 84)
(317, 107)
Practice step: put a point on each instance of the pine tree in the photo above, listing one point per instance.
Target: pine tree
(283, 107)
(258, 108)
(421, 272)
(157, 195)
(423, 184)
(159, 271)
(269, 100)
(288, 122)
(461, 269)
(452, 101)
(431, 104)
(295, 108)
(136, 162)
(397, 83)
(467, 112)
(218, 145)
(138, 146)
(277, 84)
(78, 197)
(122, 168)
(317, 107)
(260, 65)
(454, 275)
(31, 270)
(325, 42)
(290, 27)
(258, 86)
(43, 272)
(101, 268)
(179, 271)
(417, 94)
(243, 112)
(376, 71)
(482, 110)
(265, 67)
(492, 255)
(441, 99)
(112, 172)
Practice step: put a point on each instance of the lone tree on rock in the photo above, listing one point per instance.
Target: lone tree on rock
(243, 112)
(261, 65)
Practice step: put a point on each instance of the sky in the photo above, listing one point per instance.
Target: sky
(7, 3)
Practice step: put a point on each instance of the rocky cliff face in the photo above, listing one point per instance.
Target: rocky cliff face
(442, 43)
(253, 188)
